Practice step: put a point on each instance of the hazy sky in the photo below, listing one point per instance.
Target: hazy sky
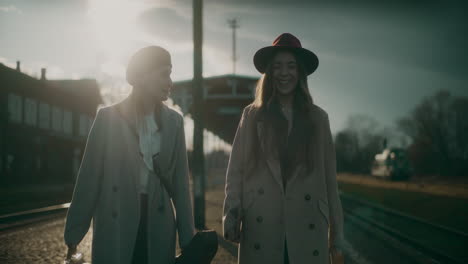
(375, 59)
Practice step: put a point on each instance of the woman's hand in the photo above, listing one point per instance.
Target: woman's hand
(71, 251)
(231, 226)
(73, 257)
(337, 256)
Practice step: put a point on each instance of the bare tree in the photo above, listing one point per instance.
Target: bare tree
(357, 145)
(438, 128)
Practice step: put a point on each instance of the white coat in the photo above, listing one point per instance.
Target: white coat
(303, 214)
(106, 189)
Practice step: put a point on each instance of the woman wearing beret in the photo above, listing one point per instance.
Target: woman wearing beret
(134, 164)
(282, 201)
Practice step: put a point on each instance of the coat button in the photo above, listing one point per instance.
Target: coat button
(316, 253)
(311, 226)
(307, 197)
(114, 214)
(261, 191)
(257, 246)
(259, 219)
(114, 188)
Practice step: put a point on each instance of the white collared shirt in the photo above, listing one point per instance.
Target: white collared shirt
(150, 144)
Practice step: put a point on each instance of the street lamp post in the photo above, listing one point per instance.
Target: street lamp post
(198, 167)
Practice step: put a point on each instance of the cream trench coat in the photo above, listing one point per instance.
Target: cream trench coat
(106, 189)
(303, 214)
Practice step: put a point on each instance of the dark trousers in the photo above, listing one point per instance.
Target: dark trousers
(140, 251)
(286, 256)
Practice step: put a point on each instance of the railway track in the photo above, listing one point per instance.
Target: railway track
(425, 241)
(19, 219)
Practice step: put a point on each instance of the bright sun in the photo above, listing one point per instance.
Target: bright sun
(115, 26)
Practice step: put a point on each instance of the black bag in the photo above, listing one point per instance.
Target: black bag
(201, 250)
(204, 245)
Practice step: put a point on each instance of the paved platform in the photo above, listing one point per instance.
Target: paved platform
(458, 190)
(43, 242)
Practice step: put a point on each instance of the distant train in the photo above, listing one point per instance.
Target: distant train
(391, 164)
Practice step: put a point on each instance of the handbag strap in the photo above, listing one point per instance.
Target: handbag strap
(157, 171)
(155, 157)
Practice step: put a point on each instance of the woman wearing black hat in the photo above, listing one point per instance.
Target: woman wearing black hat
(282, 201)
(135, 162)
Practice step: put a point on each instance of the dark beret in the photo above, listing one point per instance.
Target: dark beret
(146, 59)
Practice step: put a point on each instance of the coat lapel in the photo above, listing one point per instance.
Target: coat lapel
(162, 162)
(126, 112)
(272, 159)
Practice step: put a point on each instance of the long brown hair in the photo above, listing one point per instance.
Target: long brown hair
(267, 108)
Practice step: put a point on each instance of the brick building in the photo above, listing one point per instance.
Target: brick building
(43, 126)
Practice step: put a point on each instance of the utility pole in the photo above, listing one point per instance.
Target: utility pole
(198, 167)
(233, 25)
(3, 132)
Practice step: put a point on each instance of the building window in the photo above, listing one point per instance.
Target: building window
(44, 116)
(67, 122)
(232, 83)
(57, 118)
(15, 108)
(30, 111)
(84, 126)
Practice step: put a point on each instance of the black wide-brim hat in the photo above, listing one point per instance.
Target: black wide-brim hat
(289, 42)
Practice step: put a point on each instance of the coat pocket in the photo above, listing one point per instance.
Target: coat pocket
(323, 208)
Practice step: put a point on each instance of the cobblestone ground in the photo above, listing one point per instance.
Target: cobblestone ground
(38, 243)
(43, 242)
(214, 206)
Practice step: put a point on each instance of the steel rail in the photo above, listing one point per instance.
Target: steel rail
(17, 219)
(405, 238)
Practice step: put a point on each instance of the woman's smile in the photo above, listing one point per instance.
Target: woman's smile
(285, 72)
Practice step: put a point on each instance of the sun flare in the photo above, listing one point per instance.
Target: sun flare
(114, 23)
